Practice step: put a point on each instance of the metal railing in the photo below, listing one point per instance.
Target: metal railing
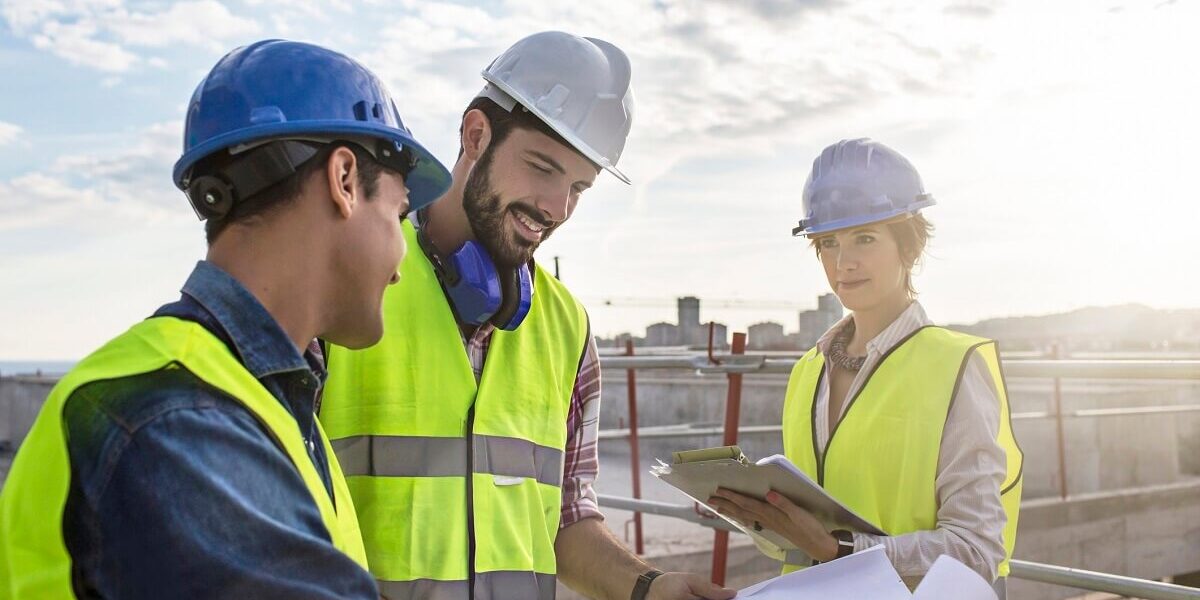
(736, 364)
(1031, 368)
(1020, 569)
(682, 431)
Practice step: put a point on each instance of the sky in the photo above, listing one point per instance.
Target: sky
(1056, 138)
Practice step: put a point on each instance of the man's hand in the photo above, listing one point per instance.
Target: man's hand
(781, 516)
(687, 586)
(593, 563)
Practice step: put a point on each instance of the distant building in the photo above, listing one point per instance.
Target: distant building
(814, 323)
(766, 336)
(829, 304)
(690, 331)
(662, 334)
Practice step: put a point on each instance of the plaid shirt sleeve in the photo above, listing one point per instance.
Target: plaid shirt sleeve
(581, 462)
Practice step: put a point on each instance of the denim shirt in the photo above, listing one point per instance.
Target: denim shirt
(178, 491)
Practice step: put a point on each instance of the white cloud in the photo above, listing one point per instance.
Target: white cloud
(202, 23)
(91, 192)
(708, 76)
(105, 34)
(38, 199)
(9, 133)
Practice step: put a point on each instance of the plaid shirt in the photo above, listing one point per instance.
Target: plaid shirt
(580, 463)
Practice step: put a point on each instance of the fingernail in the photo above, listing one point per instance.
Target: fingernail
(772, 496)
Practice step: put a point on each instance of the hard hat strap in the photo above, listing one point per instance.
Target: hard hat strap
(213, 194)
(499, 96)
(266, 165)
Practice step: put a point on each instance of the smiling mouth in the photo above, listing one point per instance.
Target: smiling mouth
(527, 226)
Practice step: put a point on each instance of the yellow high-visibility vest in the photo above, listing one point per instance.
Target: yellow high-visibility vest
(445, 471)
(34, 562)
(881, 458)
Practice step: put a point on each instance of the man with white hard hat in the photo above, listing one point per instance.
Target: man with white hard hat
(468, 434)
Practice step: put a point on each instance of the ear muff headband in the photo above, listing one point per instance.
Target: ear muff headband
(479, 292)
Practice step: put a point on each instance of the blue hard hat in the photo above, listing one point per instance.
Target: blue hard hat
(278, 89)
(856, 182)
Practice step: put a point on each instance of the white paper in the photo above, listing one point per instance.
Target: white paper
(869, 574)
(787, 465)
(866, 574)
(948, 578)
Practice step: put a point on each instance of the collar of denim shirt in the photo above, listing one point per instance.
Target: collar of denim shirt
(265, 349)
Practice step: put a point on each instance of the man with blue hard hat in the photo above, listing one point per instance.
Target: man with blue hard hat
(183, 458)
(468, 434)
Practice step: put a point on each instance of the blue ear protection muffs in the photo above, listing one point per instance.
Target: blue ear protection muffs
(478, 291)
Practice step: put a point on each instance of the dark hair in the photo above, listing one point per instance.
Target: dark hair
(912, 235)
(503, 122)
(289, 188)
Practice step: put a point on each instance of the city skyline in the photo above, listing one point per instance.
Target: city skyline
(1098, 328)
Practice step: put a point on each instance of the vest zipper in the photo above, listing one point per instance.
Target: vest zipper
(817, 453)
(471, 502)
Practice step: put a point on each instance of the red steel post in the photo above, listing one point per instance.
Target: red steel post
(733, 409)
(634, 461)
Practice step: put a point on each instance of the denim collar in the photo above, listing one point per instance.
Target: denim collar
(265, 349)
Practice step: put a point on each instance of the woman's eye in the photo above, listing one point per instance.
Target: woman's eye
(539, 168)
(829, 243)
(866, 239)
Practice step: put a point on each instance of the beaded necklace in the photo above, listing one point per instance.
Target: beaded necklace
(837, 350)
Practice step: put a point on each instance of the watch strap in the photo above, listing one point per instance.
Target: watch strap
(845, 540)
(642, 587)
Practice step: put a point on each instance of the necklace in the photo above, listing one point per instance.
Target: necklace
(837, 350)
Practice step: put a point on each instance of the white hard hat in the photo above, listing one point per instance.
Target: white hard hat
(578, 86)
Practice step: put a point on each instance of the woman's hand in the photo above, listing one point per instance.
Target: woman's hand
(781, 516)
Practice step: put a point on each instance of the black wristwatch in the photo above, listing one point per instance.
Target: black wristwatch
(845, 541)
(642, 587)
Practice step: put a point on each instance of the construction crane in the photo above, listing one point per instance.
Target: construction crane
(727, 303)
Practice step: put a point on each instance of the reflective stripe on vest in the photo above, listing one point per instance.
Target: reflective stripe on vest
(34, 562)
(496, 585)
(441, 466)
(394, 456)
(889, 438)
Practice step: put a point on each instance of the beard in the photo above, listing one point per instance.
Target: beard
(486, 211)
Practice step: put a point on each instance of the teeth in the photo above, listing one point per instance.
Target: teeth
(528, 223)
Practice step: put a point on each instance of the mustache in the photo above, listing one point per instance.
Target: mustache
(533, 215)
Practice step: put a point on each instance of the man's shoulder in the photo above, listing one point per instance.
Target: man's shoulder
(132, 401)
(98, 411)
(102, 419)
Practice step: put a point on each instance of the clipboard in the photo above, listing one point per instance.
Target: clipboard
(698, 473)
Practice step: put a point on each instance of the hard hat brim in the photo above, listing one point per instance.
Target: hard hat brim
(850, 223)
(426, 183)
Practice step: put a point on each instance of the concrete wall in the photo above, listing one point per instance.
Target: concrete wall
(1149, 533)
(20, 400)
